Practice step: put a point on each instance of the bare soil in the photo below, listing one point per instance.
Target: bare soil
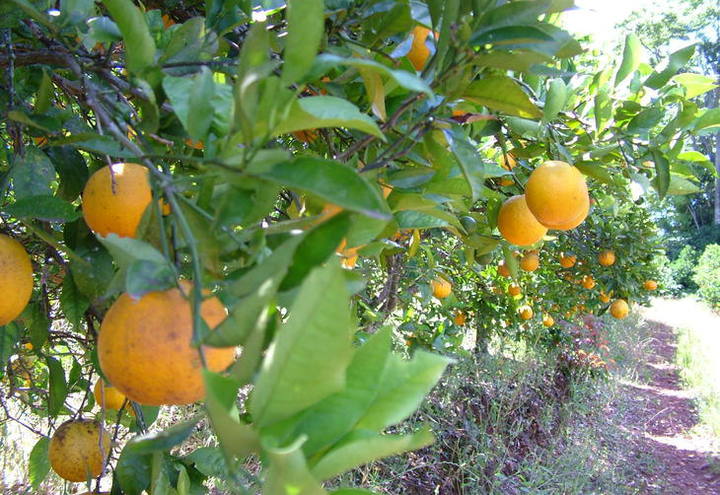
(662, 421)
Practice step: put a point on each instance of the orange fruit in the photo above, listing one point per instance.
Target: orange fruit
(606, 257)
(548, 320)
(419, 51)
(460, 318)
(557, 195)
(619, 309)
(567, 260)
(530, 262)
(441, 288)
(167, 22)
(109, 397)
(198, 145)
(145, 347)
(75, 452)
(517, 224)
(514, 290)
(503, 270)
(16, 279)
(588, 282)
(114, 200)
(40, 141)
(28, 346)
(525, 312)
(506, 181)
(650, 285)
(604, 298)
(306, 135)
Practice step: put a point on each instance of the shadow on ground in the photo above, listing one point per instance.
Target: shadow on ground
(662, 419)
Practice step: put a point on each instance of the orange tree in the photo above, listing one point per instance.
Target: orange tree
(188, 179)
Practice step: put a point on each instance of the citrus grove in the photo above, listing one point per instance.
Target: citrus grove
(282, 221)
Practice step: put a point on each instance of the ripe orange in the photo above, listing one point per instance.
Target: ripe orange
(604, 298)
(506, 181)
(441, 288)
(530, 262)
(619, 309)
(517, 224)
(145, 347)
(557, 195)
(606, 257)
(16, 279)
(109, 397)
(514, 290)
(588, 282)
(525, 312)
(650, 285)
(75, 452)
(548, 320)
(419, 52)
(198, 145)
(503, 270)
(460, 318)
(567, 260)
(306, 135)
(349, 255)
(114, 201)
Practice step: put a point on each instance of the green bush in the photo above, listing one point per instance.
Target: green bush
(681, 268)
(707, 275)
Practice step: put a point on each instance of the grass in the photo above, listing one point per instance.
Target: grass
(510, 424)
(697, 356)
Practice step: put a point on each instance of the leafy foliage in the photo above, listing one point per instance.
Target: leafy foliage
(706, 274)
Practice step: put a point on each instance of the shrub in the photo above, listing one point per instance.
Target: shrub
(681, 268)
(707, 274)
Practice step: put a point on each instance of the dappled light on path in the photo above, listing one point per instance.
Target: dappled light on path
(664, 414)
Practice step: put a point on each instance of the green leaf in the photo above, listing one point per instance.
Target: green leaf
(44, 94)
(57, 387)
(37, 324)
(94, 277)
(32, 174)
(709, 119)
(306, 23)
(139, 43)
(71, 168)
(126, 251)
(314, 112)
(555, 99)
(503, 94)
(515, 35)
(315, 248)
(412, 219)
(596, 171)
(158, 441)
(603, 110)
(363, 447)
(288, 473)
(254, 289)
(200, 103)
(643, 122)
(695, 84)
(677, 61)
(198, 117)
(48, 208)
(133, 471)
(662, 169)
(73, 303)
(680, 185)
(693, 156)
(39, 462)
(144, 276)
(9, 337)
(403, 78)
(469, 160)
(330, 180)
(317, 337)
(632, 55)
(402, 389)
(236, 439)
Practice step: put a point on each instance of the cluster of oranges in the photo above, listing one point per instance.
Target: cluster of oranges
(144, 345)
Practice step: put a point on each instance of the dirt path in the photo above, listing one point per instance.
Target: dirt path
(663, 413)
